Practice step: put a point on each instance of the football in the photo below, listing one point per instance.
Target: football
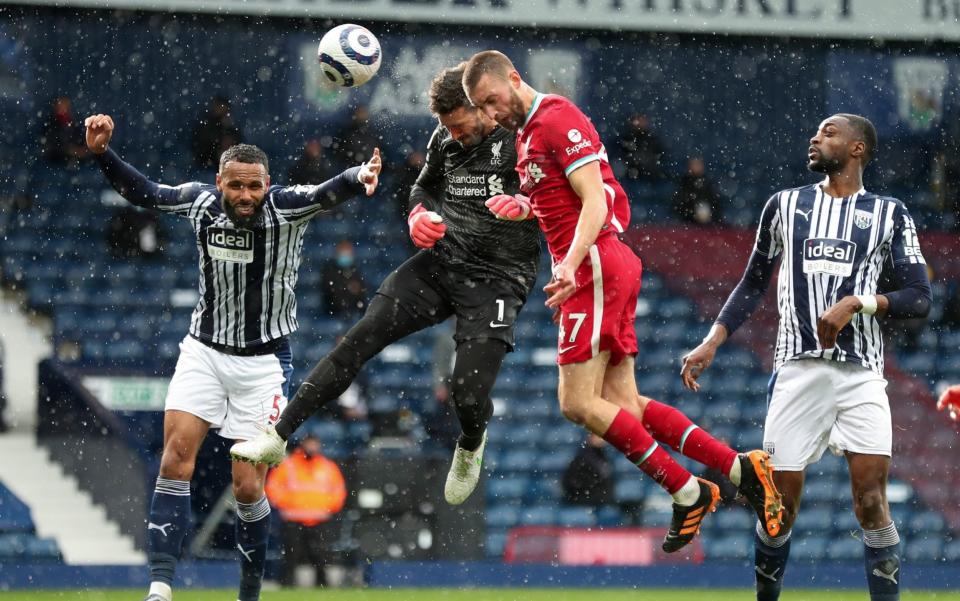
(349, 55)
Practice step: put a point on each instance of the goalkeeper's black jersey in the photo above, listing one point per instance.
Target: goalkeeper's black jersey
(456, 182)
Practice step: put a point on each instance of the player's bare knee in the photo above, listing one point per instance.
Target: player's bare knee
(247, 490)
(871, 508)
(573, 409)
(176, 464)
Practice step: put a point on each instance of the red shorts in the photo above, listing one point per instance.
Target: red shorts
(600, 314)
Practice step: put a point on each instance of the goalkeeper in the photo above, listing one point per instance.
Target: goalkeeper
(471, 265)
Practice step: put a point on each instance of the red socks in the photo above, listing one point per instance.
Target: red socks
(628, 436)
(675, 429)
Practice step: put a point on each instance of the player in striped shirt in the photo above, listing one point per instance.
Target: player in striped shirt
(235, 364)
(832, 239)
(581, 209)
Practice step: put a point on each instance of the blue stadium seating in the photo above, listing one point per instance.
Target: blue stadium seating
(14, 514)
(18, 541)
(844, 548)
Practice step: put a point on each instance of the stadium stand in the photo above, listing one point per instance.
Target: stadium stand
(131, 314)
(18, 538)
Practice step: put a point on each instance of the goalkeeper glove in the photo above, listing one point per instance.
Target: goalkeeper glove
(510, 208)
(426, 227)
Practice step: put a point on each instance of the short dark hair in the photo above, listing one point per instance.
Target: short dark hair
(488, 61)
(446, 91)
(865, 131)
(245, 153)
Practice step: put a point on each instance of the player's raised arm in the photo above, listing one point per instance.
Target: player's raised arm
(587, 181)
(744, 299)
(301, 202)
(126, 180)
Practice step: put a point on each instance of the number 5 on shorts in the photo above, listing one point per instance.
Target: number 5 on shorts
(275, 412)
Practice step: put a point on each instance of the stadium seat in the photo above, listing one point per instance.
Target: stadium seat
(951, 551)
(564, 436)
(844, 520)
(844, 548)
(610, 516)
(14, 513)
(729, 547)
(733, 519)
(808, 548)
(825, 490)
(509, 487)
(815, 519)
(495, 543)
(502, 516)
(556, 460)
(576, 517)
(928, 548)
(544, 488)
(517, 460)
(539, 515)
(630, 491)
(926, 523)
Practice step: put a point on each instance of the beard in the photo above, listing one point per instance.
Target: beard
(243, 221)
(824, 164)
(513, 120)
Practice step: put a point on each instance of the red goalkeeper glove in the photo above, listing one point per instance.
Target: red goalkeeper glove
(426, 227)
(950, 402)
(510, 208)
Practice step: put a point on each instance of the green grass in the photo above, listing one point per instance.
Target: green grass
(472, 595)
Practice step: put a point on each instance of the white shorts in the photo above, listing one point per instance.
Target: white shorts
(816, 403)
(234, 394)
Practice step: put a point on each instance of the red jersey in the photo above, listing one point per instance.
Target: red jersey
(555, 140)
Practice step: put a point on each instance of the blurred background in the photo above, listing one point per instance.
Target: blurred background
(704, 114)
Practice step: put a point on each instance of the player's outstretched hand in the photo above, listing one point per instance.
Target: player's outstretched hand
(695, 363)
(561, 286)
(510, 208)
(835, 319)
(99, 132)
(950, 402)
(426, 227)
(370, 172)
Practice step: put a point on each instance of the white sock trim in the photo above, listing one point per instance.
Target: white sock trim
(774, 542)
(177, 488)
(884, 537)
(688, 493)
(251, 512)
(736, 473)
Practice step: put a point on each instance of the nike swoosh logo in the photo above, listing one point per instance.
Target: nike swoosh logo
(494, 324)
(565, 349)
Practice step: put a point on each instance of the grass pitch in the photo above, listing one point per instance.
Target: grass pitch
(473, 595)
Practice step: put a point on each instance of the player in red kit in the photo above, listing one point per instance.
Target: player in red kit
(581, 209)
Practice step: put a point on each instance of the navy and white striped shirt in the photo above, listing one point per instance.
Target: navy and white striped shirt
(247, 276)
(832, 248)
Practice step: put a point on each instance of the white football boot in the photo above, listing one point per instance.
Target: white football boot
(464, 473)
(267, 448)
